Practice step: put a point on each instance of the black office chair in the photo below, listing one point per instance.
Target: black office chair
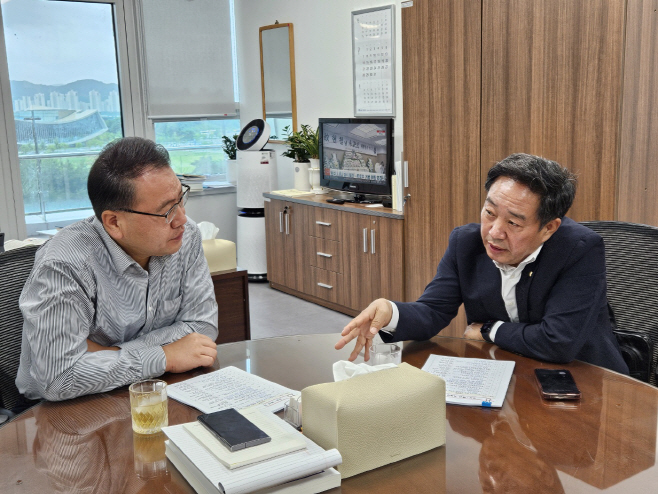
(15, 267)
(631, 255)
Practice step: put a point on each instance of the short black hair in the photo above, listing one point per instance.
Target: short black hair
(555, 185)
(110, 183)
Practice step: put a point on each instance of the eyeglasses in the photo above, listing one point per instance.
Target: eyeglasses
(171, 214)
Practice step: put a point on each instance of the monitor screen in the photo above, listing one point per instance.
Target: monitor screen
(356, 154)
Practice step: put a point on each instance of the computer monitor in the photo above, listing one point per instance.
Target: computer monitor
(356, 155)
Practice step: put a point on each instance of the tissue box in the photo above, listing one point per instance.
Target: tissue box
(378, 418)
(220, 254)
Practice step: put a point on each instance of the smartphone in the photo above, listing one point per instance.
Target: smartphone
(557, 384)
(234, 430)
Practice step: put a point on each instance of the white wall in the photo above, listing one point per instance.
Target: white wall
(220, 209)
(323, 61)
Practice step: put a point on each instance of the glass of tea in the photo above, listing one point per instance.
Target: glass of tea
(148, 406)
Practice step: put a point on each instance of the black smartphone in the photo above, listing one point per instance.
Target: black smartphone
(234, 430)
(557, 384)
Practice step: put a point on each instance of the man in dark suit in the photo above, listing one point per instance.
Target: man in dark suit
(532, 281)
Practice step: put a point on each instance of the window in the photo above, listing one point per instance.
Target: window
(195, 147)
(198, 105)
(62, 61)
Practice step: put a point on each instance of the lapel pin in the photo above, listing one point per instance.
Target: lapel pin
(530, 274)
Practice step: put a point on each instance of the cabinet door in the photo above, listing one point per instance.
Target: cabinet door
(275, 241)
(386, 270)
(357, 277)
(373, 259)
(294, 260)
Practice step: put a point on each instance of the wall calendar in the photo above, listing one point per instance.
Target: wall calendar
(373, 61)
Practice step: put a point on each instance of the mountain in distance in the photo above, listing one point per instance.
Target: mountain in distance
(82, 87)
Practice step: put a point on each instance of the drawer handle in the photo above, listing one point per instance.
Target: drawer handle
(324, 255)
(325, 286)
(365, 240)
(280, 221)
(372, 241)
(322, 223)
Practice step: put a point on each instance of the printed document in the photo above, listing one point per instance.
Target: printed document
(472, 381)
(230, 387)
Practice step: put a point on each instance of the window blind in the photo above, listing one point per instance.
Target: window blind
(188, 55)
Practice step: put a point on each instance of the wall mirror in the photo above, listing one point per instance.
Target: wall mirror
(277, 71)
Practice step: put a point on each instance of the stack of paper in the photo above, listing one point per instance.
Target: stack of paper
(230, 387)
(305, 470)
(194, 181)
(472, 381)
(292, 192)
(283, 440)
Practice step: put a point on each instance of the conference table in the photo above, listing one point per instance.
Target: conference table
(604, 442)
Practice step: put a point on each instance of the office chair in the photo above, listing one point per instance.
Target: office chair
(631, 257)
(15, 267)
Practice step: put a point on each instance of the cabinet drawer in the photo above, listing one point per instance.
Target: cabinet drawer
(324, 223)
(325, 254)
(326, 285)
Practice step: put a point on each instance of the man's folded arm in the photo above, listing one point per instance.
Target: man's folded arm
(58, 316)
(62, 368)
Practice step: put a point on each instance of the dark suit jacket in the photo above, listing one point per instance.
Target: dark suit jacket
(561, 298)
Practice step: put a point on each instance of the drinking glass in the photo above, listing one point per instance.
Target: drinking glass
(148, 406)
(385, 353)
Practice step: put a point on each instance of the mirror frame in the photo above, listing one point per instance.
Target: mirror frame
(293, 90)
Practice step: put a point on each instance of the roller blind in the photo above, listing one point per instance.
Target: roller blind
(189, 65)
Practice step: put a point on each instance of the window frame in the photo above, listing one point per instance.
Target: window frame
(134, 122)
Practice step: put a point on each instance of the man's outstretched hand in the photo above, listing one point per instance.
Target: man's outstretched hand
(365, 326)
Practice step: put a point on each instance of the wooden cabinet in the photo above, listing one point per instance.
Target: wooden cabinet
(374, 264)
(285, 232)
(232, 295)
(351, 255)
(324, 255)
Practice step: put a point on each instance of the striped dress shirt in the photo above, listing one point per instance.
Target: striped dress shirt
(84, 286)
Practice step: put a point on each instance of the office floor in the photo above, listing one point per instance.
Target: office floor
(274, 313)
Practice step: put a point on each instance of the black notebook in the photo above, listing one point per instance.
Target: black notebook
(233, 429)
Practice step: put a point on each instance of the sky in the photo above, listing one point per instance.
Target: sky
(57, 42)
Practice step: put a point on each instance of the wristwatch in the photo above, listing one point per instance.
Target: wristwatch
(486, 329)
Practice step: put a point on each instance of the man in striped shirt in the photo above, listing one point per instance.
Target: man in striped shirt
(123, 295)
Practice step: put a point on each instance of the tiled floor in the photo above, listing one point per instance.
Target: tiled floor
(274, 313)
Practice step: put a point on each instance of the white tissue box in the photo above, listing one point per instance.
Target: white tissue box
(220, 254)
(377, 418)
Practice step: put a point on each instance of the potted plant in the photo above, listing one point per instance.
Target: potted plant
(309, 139)
(303, 147)
(230, 148)
(296, 149)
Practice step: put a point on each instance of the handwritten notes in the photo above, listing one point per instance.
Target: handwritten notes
(230, 388)
(472, 381)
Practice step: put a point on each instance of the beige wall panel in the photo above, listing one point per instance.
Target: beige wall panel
(638, 162)
(441, 57)
(551, 73)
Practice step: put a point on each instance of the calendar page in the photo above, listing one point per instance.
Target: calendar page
(373, 55)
